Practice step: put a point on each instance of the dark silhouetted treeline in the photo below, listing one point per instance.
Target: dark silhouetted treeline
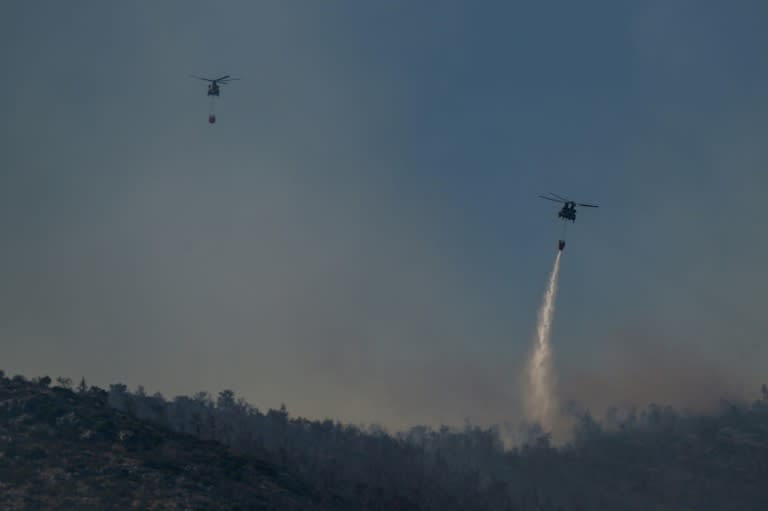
(633, 459)
(654, 458)
(62, 450)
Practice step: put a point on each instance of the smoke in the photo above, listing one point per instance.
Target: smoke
(539, 399)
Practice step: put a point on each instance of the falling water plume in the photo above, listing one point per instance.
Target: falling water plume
(540, 399)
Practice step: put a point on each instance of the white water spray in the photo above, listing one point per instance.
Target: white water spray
(540, 399)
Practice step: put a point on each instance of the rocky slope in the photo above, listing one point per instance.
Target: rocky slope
(61, 450)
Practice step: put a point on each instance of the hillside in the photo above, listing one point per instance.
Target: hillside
(634, 459)
(62, 451)
(116, 449)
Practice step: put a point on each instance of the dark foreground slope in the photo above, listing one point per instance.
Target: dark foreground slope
(634, 460)
(93, 449)
(62, 450)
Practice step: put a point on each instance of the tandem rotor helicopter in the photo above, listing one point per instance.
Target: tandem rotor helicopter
(213, 91)
(567, 212)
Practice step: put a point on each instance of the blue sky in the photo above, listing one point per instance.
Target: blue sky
(359, 234)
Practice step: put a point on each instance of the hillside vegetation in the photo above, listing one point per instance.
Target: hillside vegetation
(65, 451)
(119, 448)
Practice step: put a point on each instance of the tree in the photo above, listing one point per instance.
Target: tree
(197, 423)
(119, 397)
(82, 387)
(65, 382)
(44, 381)
(226, 399)
(203, 398)
(118, 388)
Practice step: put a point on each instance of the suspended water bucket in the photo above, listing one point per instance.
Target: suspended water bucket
(211, 119)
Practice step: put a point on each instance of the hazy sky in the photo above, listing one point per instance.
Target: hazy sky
(359, 236)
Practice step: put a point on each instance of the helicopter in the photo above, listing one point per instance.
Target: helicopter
(567, 212)
(213, 86)
(213, 91)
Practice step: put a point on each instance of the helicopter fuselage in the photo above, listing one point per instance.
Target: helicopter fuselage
(568, 212)
(213, 89)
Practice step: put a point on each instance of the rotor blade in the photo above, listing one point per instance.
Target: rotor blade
(222, 78)
(561, 198)
(550, 198)
(587, 205)
(200, 78)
